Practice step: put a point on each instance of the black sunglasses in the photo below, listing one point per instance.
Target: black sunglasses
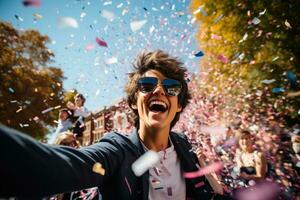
(172, 87)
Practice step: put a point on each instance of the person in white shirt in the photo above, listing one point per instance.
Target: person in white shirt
(79, 114)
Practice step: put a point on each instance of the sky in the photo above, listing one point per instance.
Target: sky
(127, 27)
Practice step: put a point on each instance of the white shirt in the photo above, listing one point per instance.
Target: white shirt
(166, 179)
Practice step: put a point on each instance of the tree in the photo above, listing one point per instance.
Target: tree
(252, 56)
(31, 91)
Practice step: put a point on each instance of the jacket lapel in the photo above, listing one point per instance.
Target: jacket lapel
(134, 137)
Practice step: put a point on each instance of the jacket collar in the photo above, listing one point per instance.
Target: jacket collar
(135, 139)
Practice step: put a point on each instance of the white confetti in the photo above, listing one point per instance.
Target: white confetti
(152, 28)
(65, 22)
(137, 25)
(107, 3)
(255, 20)
(263, 12)
(47, 110)
(120, 5)
(287, 24)
(37, 16)
(82, 15)
(143, 163)
(112, 60)
(268, 81)
(110, 16)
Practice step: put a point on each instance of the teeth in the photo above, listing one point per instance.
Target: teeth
(158, 103)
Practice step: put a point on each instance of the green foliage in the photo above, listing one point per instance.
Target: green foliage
(28, 84)
(260, 39)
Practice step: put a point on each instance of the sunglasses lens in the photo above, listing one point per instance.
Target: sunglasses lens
(147, 84)
(172, 87)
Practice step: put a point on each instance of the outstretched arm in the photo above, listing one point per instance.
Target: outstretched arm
(31, 169)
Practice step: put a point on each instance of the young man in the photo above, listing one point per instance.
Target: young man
(157, 93)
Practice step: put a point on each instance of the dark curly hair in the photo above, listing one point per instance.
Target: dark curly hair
(169, 66)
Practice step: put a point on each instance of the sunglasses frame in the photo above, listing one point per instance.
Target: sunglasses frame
(162, 83)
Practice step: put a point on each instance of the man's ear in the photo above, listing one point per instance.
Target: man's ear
(179, 108)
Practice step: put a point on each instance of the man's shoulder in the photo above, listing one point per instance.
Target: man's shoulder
(116, 138)
(115, 135)
(179, 136)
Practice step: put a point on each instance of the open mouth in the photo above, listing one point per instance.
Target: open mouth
(158, 106)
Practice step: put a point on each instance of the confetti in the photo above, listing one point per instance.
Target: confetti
(199, 54)
(57, 107)
(65, 22)
(274, 59)
(47, 110)
(263, 12)
(214, 167)
(143, 163)
(110, 16)
(216, 37)
(89, 47)
(97, 168)
(287, 24)
(82, 15)
(11, 90)
(222, 59)
(200, 184)
(111, 61)
(218, 18)
(244, 38)
(20, 108)
(128, 186)
(137, 25)
(37, 16)
(277, 90)
(107, 3)
(19, 18)
(255, 20)
(268, 81)
(34, 3)
(200, 9)
(100, 42)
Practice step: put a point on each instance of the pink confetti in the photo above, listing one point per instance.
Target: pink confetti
(89, 47)
(216, 37)
(100, 42)
(230, 142)
(128, 186)
(214, 167)
(262, 191)
(200, 184)
(34, 3)
(222, 59)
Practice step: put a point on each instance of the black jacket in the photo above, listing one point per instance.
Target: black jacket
(31, 169)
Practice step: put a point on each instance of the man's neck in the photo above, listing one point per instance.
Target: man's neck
(156, 140)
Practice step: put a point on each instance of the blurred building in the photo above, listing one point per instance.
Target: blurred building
(117, 117)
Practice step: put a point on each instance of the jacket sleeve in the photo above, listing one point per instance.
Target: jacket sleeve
(31, 169)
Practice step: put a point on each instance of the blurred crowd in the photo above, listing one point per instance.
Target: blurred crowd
(254, 149)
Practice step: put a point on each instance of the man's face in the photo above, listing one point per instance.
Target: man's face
(63, 115)
(79, 101)
(156, 109)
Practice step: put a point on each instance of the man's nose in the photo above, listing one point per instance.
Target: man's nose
(159, 89)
